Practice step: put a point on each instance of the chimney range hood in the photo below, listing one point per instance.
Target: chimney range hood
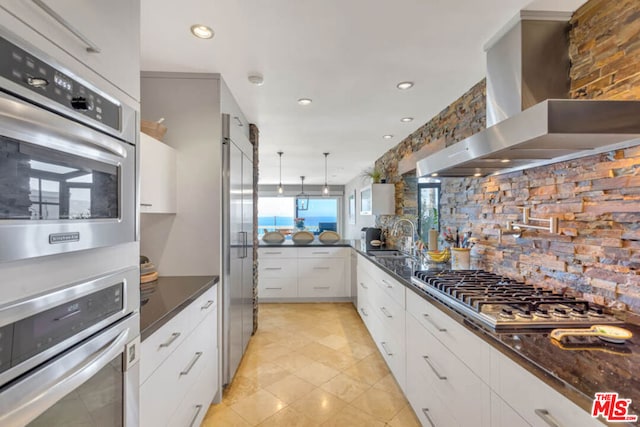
(527, 70)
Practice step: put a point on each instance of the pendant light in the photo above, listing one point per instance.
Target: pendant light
(325, 189)
(302, 199)
(280, 189)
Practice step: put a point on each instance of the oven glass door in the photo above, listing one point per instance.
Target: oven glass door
(97, 402)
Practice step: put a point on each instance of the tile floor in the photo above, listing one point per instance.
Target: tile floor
(312, 365)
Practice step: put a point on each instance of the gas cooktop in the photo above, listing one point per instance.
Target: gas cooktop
(502, 303)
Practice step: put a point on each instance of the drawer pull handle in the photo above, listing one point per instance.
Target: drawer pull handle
(440, 377)
(321, 287)
(146, 205)
(385, 312)
(91, 47)
(273, 268)
(546, 417)
(322, 268)
(207, 305)
(195, 416)
(435, 325)
(364, 286)
(320, 253)
(174, 336)
(363, 311)
(273, 289)
(425, 411)
(386, 350)
(389, 285)
(191, 364)
(273, 253)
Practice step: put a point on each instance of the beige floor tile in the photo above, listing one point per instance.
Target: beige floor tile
(316, 373)
(257, 407)
(352, 417)
(223, 416)
(290, 388)
(239, 388)
(345, 387)
(336, 360)
(389, 385)
(293, 361)
(288, 417)
(369, 370)
(357, 351)
(334, 341)
(319, 405)
(405, 418)
(271, 351)
(315, 350)
(268, 373)
(380, 404)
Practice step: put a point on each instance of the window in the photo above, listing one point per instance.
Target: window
(279, 214)
(428, 208)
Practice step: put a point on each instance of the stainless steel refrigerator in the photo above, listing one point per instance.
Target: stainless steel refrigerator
(237, 243)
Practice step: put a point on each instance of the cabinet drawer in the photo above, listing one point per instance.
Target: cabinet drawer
(391, 287)
(203, 306)
(318, 289)
(321, 271)
(509, 379)
(277, 288)
(391, 347)
(278, 268)
(390, 314)
(474, 352)
(428, 407)
(463, 392)
(503, 415)
(323, 252)
(277, 252)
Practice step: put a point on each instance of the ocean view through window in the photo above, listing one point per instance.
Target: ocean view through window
(278, 214)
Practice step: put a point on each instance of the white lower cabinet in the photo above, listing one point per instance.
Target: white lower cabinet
(303, 273)
(183, 383)
(503, 415)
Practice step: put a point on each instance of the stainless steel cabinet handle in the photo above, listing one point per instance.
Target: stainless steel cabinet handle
(68, 315)
(440, 377)
(273, 253)
(546, 417)
(207, 305)
(322, 268)
(321, 287)
(272, 289)
(195, 416)
(435, 325)
(146, 205)
(385, 312)
(191, 364)
(273, 268)
(174, 336)
(389, 285)
(237, 119)
(363, 311)
(91, 46)
(386, 350)
(320, 253)
(363, 286)
(425, 411)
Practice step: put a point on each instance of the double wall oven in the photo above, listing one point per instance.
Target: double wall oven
(69, 354)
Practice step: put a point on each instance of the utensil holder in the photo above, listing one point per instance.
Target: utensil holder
(460, 258)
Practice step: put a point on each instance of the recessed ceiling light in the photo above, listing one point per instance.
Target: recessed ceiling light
(304, 101)
(505, 161)
(406, 119)
(388, 136)
(434, 174)
(202, 31)
(256, 79)
(404, 85)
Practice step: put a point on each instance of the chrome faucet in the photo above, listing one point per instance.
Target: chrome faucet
(412, 249)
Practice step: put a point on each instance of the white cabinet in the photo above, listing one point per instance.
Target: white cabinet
(378, 199)
(303, 273)
(157, 176)
(179, 371)
(503, 415)
(102, 35)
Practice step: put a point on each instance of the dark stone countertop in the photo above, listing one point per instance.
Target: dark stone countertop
(167, 297)
(315, 243)
(583, 367)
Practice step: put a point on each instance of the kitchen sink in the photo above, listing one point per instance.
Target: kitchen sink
(388, 253)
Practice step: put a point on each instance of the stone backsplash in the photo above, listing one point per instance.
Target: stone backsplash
(596, 198)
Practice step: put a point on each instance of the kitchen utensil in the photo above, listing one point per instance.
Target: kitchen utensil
(146, 278)
(609, 333)
(153, 129)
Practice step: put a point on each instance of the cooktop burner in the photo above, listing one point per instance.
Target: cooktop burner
(503, 303)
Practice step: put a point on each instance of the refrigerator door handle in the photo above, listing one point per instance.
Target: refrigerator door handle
(246, 244)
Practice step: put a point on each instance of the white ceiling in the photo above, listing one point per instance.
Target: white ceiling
(347, 55)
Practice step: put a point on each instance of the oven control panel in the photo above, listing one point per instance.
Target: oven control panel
(37, 76)
(27, 337)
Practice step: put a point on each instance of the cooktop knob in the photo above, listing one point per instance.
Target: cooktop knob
(37, 82)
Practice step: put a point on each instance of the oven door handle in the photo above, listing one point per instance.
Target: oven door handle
(27, 399)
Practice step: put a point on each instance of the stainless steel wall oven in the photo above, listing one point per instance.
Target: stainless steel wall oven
(70, 357)
(67, 159)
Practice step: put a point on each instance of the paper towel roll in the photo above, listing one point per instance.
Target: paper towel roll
(433, 240)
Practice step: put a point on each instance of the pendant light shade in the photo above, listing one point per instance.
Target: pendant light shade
(280, 189)
(302, 199)
(325, 189)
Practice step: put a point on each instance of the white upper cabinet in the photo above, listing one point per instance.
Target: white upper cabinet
(103, 35)
(378, 199)
(157, 176)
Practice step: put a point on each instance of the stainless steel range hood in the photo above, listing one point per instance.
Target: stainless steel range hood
(527, 64)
